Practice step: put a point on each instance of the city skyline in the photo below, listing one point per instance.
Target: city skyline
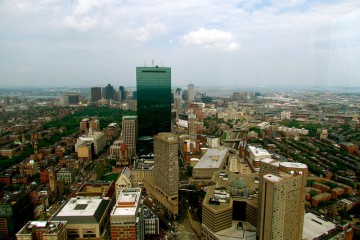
(258, 43)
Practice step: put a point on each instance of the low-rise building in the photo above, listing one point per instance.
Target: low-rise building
(97, 138)
(13, 205)
(86, 217)
(66, 175)
(232, 200)
(112, 131)
(256, 155)
(85, 150)
(317, 228)
(143, 167)
(151, 222)
(123, 181)
(212, 161)
(119, 152)
(320, 198)
(29, 168)
(126, 218)
(43, 230)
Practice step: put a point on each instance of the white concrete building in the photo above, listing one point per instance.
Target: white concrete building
(256, 155)
(97, 138)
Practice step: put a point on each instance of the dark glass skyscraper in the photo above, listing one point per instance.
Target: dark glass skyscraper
(95, 94)
(123, 93)
(153, 100)
(109, 92)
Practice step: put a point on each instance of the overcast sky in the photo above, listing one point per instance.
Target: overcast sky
(228, 43)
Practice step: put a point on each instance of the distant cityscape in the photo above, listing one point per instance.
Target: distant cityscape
(162, 162)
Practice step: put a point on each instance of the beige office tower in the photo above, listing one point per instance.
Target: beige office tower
(192, 128)
(166, 164)
(129, 133)
(281, 200)
(163, 184)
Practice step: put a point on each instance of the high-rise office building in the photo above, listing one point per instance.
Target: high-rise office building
(109, 92)
(122, 93)
(95, 94)
(129, 133)
(69, 99)
(191, 92)
(153, 100)
(281, 200)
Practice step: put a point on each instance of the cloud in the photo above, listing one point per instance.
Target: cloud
(85, 25)
(25, 69)
(85, 6)
(212, 38)
(146, 32)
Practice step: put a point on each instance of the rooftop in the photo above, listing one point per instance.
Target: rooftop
(129, 117)
(258, 152)
(233, 232)
(128, 202)
(83, 210)
(52, 227)
(213, 158)
(294, 165)
(273, 178)
(314, 227)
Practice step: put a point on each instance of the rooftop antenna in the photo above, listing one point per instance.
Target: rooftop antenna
(162, 64)
(153, 63)
(145, 63)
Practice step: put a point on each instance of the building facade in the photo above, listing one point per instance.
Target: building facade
(126, 218)
(154, 100)
(109, 92)
(191, 93)
(95, 94)
(164, 187)
(11, 207)
(166, 163)
(281, 200)
(129, 133)
(43, 230)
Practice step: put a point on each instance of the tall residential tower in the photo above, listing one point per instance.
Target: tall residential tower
(281, 200)
(164, 187)
(191, 93)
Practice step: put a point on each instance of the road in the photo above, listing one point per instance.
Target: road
(185, 232)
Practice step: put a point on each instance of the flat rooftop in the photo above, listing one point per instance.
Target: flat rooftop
(129, 117)
(82, 211)
(249, 179)
(213, 158)
(128, 202)
(273, 178)
(314, 226)
(294, 165)
(258, 152)
(80, 207)
(233, 233)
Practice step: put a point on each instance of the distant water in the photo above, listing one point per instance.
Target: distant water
(228, 91)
